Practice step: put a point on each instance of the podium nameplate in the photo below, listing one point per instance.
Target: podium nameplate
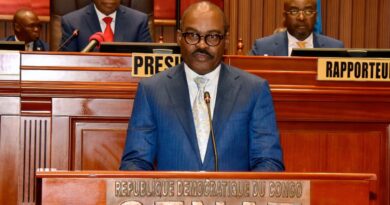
(140, 191)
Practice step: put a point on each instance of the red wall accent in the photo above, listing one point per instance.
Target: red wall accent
(9, 7)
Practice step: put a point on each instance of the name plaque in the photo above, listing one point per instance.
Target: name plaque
(354, 69)
(158, 191)
(149, 64)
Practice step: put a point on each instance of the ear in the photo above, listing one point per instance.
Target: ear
(284, 16)
(17, 27)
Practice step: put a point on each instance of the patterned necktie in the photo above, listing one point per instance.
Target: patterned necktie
(108, 34)
(301, 44)
(201, 119)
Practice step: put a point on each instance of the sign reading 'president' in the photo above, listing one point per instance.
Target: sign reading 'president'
(148, 64)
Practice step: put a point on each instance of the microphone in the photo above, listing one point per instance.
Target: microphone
(69, 39)
(94, 41)
(207, 100)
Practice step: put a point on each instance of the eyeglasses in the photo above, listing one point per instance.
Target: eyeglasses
(306, 12)
(31, 26)
(210, 39)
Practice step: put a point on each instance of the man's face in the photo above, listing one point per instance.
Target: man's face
(300, 24)
(107, 6)
(28, 27)
(201, 57)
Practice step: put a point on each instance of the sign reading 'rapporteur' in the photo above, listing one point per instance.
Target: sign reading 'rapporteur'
(207, 191)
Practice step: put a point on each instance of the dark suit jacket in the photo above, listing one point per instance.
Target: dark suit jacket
(39, 45)
(277, 44)
(130, 26)
(162, 131)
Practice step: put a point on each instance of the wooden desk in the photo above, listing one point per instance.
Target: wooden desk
(70, 112)
(91, 187)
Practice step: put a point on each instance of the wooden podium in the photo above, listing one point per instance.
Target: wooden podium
(185, 188)
(70, 111)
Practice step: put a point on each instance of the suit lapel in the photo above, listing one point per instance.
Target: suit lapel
(177, 90)
(316, 41)
(92, 19)
(281, 45)
(119, 24)
(228, 90)
(284, 44)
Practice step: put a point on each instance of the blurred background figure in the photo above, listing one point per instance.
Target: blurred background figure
(118, 23)
(299, 19)
(27, 28)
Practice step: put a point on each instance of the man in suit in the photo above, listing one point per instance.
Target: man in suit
(27, 28)
(300, 17)
(169, 128)
(124, 24)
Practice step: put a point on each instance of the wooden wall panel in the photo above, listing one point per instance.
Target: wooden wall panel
(9, 126)
(357, 144)
(346, 22)
(371, 25)
(233, 21)
(98, 143)
(6, 29)
(60, 159)
(269, 16)
(97, 128)
(257, 23)
(297, 145)
(244, 28)
(9, 141)
(332, 15)
(384, 28)
(35, 143)
(358, 28)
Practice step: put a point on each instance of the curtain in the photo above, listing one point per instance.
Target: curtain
(318, 25)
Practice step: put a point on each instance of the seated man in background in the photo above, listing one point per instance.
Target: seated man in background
(300, 17)
(119, 24)
(169, 127)
(27, 28)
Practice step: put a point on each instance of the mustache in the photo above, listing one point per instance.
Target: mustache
(202, 51)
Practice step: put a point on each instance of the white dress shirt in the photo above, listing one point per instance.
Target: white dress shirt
(292, 42)
(101, 17)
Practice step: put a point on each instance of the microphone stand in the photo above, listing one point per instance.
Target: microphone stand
(68, 40)
(207, 100)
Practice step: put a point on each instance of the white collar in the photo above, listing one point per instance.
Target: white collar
(191, 75)
(102, 15)
(292, 40)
